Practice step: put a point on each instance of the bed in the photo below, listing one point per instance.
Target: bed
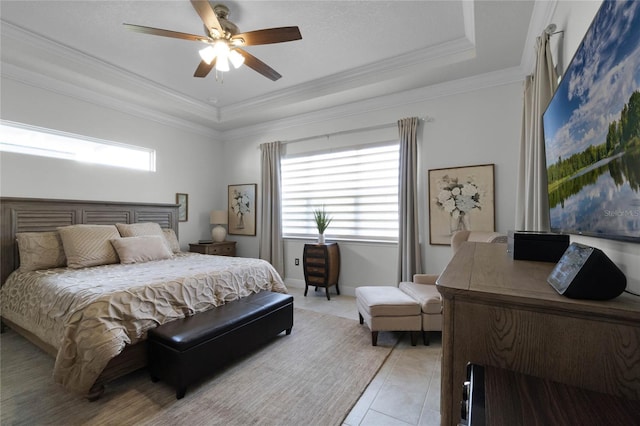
(93, 316)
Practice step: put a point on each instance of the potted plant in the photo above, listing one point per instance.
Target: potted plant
(323, 220)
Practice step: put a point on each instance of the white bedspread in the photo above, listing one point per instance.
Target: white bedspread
(90, 314)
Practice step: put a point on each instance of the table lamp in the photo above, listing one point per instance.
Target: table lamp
(218, 218)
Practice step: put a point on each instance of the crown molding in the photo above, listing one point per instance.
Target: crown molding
(540, 17)
(43, 82)
(469, 17)
(381, 103)
(442, 54)
(101, 84)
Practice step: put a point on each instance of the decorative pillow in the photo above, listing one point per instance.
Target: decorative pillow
(141, 249)
(89, 245)
(172, 240)
(40, 250)
(139, 229)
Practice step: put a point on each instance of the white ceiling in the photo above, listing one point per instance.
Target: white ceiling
(350, 51)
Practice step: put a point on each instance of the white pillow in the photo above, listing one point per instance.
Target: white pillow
(141, 249)
(89, 245)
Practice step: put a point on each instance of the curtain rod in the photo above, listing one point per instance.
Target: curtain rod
(346, 132)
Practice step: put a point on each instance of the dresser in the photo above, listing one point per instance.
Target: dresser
(321, 263)
(499, 312)
(225, 248)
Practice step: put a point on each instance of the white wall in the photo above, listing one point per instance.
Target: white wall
(574, 18)
(476, 127)
(186, 162)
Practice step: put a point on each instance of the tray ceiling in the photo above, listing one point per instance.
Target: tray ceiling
(350, 51)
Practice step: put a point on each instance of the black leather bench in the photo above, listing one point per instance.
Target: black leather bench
(184, 351)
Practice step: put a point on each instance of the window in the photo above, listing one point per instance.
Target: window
(30, 140)
(357, 186)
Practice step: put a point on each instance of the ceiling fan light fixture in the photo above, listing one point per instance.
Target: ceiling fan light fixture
(207, 54)
(221, 48)
(222, 64)
(236, 59)
(224, 41)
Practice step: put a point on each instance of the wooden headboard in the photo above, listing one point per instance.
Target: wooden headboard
(37, 214)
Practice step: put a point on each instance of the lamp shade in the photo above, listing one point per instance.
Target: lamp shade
(218, 217)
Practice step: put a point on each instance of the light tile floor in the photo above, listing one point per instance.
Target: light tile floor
(406, 390)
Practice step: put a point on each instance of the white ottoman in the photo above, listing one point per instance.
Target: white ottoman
(388, 309)
(430, 301)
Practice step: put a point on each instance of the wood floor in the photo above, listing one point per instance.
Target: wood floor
(406, 390)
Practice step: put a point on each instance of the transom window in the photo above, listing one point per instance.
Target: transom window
(31, 140)
(358, 188)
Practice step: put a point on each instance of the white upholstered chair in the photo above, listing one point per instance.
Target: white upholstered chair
(423, 287)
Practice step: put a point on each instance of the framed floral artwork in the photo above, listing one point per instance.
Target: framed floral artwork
(242, 209)
(460, 198)
(183, 207)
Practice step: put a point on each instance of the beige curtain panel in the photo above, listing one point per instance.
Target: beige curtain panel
(532, 203)
(409, 256)
(271, 243)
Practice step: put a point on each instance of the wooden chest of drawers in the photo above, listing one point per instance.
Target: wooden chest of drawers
(321, 264)
(225, 248)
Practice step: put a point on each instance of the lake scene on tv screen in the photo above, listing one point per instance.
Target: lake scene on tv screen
(592, 131)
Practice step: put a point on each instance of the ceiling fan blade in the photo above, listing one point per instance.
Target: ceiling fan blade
(204, 68)
(165, 33)
(207, 15)
(268, 36)
(259, 66)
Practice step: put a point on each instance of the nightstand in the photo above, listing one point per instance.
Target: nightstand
(225, 248)
(321, 264)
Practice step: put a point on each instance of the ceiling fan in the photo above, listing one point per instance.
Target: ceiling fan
(224, 42)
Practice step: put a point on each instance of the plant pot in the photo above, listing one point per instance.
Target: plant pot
(320, 238)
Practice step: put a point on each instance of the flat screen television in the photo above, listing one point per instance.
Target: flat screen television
(592, 131)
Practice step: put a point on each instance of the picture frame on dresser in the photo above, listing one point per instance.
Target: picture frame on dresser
(183, 210)
(242, 209)
(460, 198)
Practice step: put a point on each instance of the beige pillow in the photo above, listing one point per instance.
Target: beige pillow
(139, 229)
(141, 249)
(172, 240)
(40, 250)
(89, 245)
(142, 229)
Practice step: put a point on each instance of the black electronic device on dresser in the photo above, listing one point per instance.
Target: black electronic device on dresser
(321, 263)
(586, 272)
(538, 246)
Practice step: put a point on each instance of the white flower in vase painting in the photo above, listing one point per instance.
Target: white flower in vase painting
(240, 206)
(458, 199)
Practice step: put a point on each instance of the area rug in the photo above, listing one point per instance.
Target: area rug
(312, 377)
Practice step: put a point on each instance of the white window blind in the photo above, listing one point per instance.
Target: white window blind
(358, 188)
(31, 140)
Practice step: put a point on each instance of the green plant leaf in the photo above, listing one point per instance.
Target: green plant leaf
(322, 219)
